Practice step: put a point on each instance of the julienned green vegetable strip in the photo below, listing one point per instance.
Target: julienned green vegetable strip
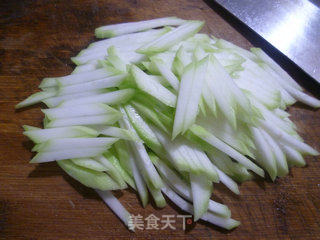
(149, 172)
(189, 96)
(67, 143)
(85, 110)
(115, 205)
(227, 223)
(182, 188)
(170, 112)
(122, 28)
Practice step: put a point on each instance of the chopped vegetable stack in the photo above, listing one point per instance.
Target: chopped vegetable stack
(170, 112)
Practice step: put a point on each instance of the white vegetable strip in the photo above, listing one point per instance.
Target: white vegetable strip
(201, 158)
(148, 171)
(112, 171)
(35, 98)
(269, 99)
(280, 84)
(284, 75)
(84, 120)
(90, 66)
(89, 163)
(123, 154)
(264, 154)
(217, 79)
(113, 81)
(227, 223)
(29, 128)
(123, 28)
(152, 87)
(66, 154)
(167, 73)
(160, 80)
(237, 98)
(140, 183)
(227, 57)
(143, 160)
(189, 96)
(88, 177)
(70, 143)
(199, 53)
(111, 98)
(123, 40)
(184, 92)
(215, 142)
(257, 77)
(227, 181)
(79, 77)
(293, 156)
(188, 155)
(201, 189)
(302, 97)
(83, 110)
(269, 80)
(143, 130)
(157, 196)
(280, 157)
(130, 56)
(122, 45)
(152, 115)
(127, 176)
(42, 135)
(221, 43)
(222, 129)
(293, 91)
(185, 191)
(103, 50)
(173, 151)
(115, 59)
(181, 60)
(285, 138)
(177, 154)
(234, 169)
(55, 101)
(173, 37)
(166, 57)
(281, 113)
(115, 205)
(209, 98)
(48, 82)
(272, 118)
(119, 133)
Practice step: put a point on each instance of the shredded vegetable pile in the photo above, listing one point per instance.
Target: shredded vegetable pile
(165, 110)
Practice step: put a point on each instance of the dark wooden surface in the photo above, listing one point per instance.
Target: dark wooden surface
(37, 39)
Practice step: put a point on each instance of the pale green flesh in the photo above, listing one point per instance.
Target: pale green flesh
(88, 177)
